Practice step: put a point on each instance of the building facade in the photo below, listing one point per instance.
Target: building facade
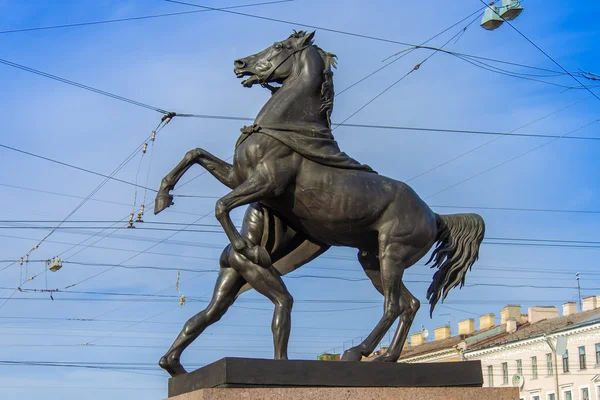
(547, 355)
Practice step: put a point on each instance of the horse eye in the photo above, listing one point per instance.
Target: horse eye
(277, 46)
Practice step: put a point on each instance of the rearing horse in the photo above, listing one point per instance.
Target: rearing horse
(306, 196)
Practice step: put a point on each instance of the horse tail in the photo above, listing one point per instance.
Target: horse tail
(458, 239)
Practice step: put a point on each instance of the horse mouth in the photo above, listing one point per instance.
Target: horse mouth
(253, 78)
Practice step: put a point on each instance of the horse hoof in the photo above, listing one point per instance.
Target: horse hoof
(352, 355)
(383, 358)
(174, 367)
(162, 201)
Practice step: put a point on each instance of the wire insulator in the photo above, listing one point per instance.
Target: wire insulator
(140, 214)
(153, 137)
(167, 117)
(144, 148)
(21, 261)
(26, 258)
(131, 221)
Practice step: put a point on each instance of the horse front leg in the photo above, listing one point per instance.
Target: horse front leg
(214, 165)
(257, 187)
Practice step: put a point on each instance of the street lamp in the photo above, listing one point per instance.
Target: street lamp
(495, 16)
(510, 9)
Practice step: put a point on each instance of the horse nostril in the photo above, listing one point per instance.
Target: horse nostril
(239, 63)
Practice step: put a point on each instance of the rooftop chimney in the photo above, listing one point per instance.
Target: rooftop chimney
(416, 339)
(589, 303)
(537, 314)
(441, 333)
(487, 321)
(569, 308)
(511, 325)
(466, 326)
(510, 311)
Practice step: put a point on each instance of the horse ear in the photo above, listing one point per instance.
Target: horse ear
(307, 39)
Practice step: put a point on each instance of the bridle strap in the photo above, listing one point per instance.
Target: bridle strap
(264, 82)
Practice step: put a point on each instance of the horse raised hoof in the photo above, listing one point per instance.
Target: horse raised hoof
(162, 201)
(352, 355)
(173, 367)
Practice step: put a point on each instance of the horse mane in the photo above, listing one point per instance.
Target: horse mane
(327, 92)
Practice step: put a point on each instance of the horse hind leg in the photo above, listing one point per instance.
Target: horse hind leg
(391, 269)
(410, 306)
(228, 284)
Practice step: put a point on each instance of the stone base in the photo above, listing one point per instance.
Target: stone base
(257, 373)
(468, 393)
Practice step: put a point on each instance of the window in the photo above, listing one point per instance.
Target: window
(568, 395)
(534, 373)
(490, 376)
(585, 394)
(520, 367)
(597, 353)
(582, 357)
(505, 373)
(566, 363)
(549, 364)
(536, 397)
(551, 396)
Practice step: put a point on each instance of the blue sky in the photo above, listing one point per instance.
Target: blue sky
(184, 63)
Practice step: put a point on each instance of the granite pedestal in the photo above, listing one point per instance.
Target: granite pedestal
(266, 375)
(467, 393)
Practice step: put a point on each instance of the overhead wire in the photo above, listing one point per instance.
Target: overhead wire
(89, 171)
(409, 50)
(488, 240)
(415, 68)
(138, 18)
(510, 133)
(512, 159)
(163, 122)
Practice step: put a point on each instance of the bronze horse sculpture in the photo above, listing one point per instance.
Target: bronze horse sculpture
(304, 196)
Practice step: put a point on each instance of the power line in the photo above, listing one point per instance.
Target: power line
(296, 24)
(415, 68)
(82, 86)
(353, 34)
(512, 159)
(409, 51)
(128, 368)
(495, 139)
(517, 239)
(410, 273)
(109, 21)
(75, 167)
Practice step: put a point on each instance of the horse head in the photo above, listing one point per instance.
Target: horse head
(273, 64)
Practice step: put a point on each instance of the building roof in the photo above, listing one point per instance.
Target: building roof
(540, 328)
(497, 335)
(438, 345)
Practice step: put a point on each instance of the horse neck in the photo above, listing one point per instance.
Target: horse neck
(298, 101)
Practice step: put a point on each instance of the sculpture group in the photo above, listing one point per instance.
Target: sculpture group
(304, 195)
